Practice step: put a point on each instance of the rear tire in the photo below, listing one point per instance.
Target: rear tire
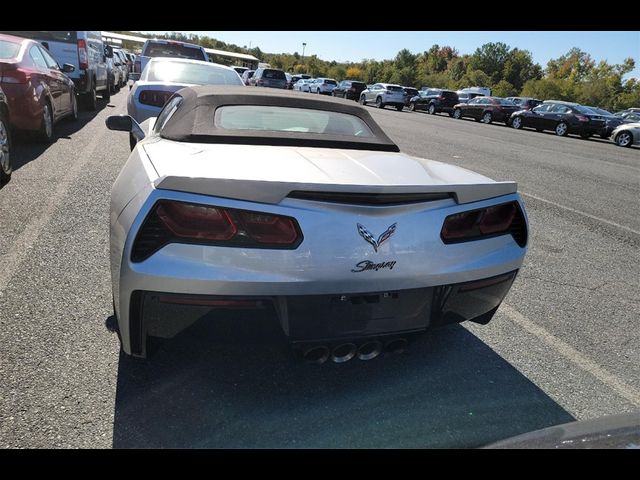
(106, 93)
(45, 133)
(5, 149)
(74, 107)
(457, 114)
(399, 107)
(487, 118)
(90, 99)
(432, 109)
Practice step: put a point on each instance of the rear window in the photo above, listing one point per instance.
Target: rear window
(446, 94)
(8, 49)
(288, 119)
(330, 82)
(359, 85)
(583, 110)
(434, 92)
(504, 101)
(411, 91)
(184, 72)
(274, 74)
(393, 88)
(173, 50)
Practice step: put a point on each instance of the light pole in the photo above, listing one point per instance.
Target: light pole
(303, 45)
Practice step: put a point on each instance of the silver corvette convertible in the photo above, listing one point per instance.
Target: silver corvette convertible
(244, 198)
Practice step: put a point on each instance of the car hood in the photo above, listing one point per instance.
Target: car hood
(270, 173)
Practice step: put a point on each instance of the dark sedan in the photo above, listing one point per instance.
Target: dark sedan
(611, 121)
(350, 89)
(38, 92)
(409, 93)
(486, 109)
(5, 138)
(562, 118)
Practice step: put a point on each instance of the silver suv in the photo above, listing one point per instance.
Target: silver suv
(384, 94)
(323, 86)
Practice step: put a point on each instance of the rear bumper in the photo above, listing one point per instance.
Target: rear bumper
(326, 318)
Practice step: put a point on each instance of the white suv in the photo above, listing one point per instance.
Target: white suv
(323, 86)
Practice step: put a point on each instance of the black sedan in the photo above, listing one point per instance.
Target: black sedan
(350, 89)
(611, 121)
(562, 118)
(486, 109)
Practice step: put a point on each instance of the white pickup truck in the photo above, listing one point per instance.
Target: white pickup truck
(166, 48)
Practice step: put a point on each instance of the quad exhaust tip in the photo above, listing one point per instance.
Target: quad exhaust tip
(370, 350)
(316, 354)
(397, 345)
(344, 352)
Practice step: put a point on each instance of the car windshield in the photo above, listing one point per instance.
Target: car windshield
(184, 72)
(274, 74)
(286, 119)
(174, 50)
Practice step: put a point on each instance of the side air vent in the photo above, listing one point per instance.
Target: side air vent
(369, 198)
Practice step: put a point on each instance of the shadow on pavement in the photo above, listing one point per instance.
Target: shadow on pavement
(27, 149)
(234, 383)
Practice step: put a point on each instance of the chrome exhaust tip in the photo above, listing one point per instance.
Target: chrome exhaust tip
(370, 350)
(397, 345)
(316, 354)
(344, 352)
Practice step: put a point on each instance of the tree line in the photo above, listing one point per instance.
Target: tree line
(574, 76)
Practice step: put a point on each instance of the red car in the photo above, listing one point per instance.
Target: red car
(38, 93)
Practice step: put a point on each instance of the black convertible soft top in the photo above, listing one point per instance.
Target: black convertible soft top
(193, 121)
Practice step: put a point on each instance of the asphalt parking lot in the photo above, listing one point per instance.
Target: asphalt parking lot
(564, 345)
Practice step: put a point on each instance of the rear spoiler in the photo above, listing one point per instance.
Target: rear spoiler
(274, 192)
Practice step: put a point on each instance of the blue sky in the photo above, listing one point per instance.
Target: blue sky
(354, 46)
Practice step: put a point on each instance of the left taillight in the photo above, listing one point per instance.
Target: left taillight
(506, 218)
(181, 222)
(155, 98)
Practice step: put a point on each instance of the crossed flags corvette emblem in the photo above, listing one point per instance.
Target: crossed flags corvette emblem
(368, 236)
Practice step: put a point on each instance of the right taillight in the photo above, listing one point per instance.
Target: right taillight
(506, 218)
(155, 98)
(83, 58)
(182, 222)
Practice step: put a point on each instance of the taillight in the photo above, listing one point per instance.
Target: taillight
(181, 222)
(352, 89)
(83, 58)
(15, 75)
(155, 98)
(440, 98)
(494, 220)
(260, 82)
(582, 118)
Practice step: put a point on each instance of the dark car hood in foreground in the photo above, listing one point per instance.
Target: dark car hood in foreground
(616, 431)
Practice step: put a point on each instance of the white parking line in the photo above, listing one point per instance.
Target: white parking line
(593, 217)
(612, 381)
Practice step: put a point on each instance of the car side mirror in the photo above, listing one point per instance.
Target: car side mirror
(68, 68)
(125, 123)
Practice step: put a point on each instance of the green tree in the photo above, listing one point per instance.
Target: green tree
(490, 58)
(504, 89)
